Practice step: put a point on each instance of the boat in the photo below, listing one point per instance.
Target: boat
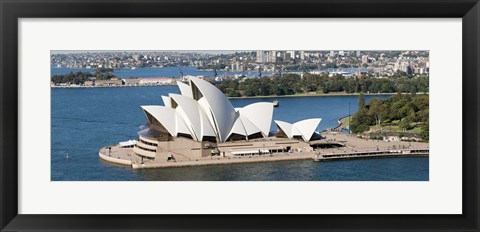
(317, 157)
(275, 103)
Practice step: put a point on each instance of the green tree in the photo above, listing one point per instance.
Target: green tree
(358, 123)
(377, 110)
(425, 131)
(361, 101)
(406, 124)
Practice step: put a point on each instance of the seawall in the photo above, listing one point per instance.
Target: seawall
(115, 160)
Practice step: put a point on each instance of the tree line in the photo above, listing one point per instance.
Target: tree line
(406, 110)
(290, 84)
(79, 78)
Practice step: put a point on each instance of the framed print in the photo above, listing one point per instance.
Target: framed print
(224, 115)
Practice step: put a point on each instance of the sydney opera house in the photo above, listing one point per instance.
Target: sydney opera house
(201, 123)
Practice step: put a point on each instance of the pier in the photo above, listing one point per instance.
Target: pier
(371, 154)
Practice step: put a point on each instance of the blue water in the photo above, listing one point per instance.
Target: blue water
(384, 169)
(84, 120)
(155, 72)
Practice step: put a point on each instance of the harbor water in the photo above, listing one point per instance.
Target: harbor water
(85, 119)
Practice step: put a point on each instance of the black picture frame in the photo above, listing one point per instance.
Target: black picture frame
(11, 11)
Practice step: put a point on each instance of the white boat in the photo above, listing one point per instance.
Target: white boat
(317, 157)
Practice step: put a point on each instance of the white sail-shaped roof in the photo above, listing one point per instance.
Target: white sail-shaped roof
(260, 114)
(203, 110)
(185, 89)
(206, 109)
(307, 127)
(243, 126)
(194, 116)
(222, 111)
(237, 128)
(169, 118)
(249, 127)
(189, 112)
(165, 116)
(304, 128)
(166, 101)
(207, 129)
(295, 131)
(181, 125)
(285, 127)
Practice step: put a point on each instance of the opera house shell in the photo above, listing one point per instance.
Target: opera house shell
(200, 122)
(304, 129)
(203, 113)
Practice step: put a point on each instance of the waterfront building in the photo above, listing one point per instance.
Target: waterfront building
(203, 113)
(111, 82)
(201, 122)
(132, 81)
(157, 81)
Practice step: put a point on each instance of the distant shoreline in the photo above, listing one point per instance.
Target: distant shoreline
(313, 95)
(319, 95)
(113, 86)
(242, 97)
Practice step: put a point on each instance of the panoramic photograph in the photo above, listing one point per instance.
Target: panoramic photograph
(231, 115)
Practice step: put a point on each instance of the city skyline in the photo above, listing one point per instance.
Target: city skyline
(214, 52)
(377, 64)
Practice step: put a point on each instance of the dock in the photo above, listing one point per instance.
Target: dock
(371, 154)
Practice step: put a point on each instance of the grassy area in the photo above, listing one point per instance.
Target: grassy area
(416, 130)
(390, 126)
(347, 121)
(396, 128)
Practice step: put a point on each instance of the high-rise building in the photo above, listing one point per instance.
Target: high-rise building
(260, 56)
(271, 56)
(364, 59)
(292, 54)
